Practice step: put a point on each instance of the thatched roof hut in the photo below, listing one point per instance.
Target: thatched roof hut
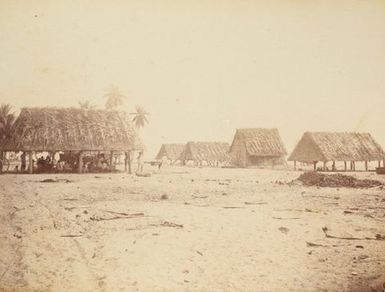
(257, 147)
(72, 129)
(211, 153)
(171, 151)
(331, 146)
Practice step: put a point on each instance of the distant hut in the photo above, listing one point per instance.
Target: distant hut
(72, 130)
(258, 147)
(170, 152)
(205, 153)
(337, 147)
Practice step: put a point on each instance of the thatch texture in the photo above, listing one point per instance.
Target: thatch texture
(330, 146)
(170, 151)
(72, 129)
(257, 147)
(210, 152)
(260, 142)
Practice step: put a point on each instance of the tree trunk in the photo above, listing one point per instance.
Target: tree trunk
(295, 165)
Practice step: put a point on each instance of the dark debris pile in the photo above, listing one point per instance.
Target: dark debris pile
(336, 181)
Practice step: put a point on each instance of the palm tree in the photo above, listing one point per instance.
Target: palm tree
(115, 98)
(140, 117)
(86, 105)
(7, 118)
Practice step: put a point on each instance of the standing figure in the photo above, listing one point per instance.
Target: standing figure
(23, 162)
(140, 163)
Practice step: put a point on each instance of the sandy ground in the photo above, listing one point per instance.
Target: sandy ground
(188, 229)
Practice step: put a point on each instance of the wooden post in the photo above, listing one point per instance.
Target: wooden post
(111, 160)
(325, 165)
(1, 162)
(30, 161)
(366, 165)
(129, 162)
(295, 165)
(379, 163)
(125, 161)
(346, 165)
(315, 165)
(80, 162)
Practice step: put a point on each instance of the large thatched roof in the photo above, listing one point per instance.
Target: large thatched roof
(206, 151)
(72, 129)
(171, 151)
(329, 146)
(259, 142)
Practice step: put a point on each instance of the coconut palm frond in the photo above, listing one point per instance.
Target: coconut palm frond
(115, 98)
(7, 118)
(140, 117)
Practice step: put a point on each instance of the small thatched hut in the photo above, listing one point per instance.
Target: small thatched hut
(205, 153)
(72, 130)
(258, 147)
(337, 147)
(170, 152)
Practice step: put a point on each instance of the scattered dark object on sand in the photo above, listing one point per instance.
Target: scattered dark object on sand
(327, 235)
(336, 180)
(143, 174)
(50, 180)
(171, 224)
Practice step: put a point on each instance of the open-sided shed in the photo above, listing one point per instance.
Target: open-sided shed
(72, 130)
(327, 147)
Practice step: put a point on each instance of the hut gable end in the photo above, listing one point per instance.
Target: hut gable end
(306, 150)
(171, 151)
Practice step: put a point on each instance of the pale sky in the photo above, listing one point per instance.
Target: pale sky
(203, 68)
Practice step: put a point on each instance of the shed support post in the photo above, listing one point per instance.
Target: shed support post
(379, 163)
(125, 161)
(315, 165)
(345, 165)
(80, 162)
(366, 165)
(295, 165)
(111, 160)
(1, 161)
(325, 165)
(129, 162)
(30, 162)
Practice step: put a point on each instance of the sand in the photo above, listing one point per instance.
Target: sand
(188, 229)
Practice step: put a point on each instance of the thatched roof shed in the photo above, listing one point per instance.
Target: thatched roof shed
(330, 146)
(257, 147)
(209, 152)
(170, 151)
(72, 129)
